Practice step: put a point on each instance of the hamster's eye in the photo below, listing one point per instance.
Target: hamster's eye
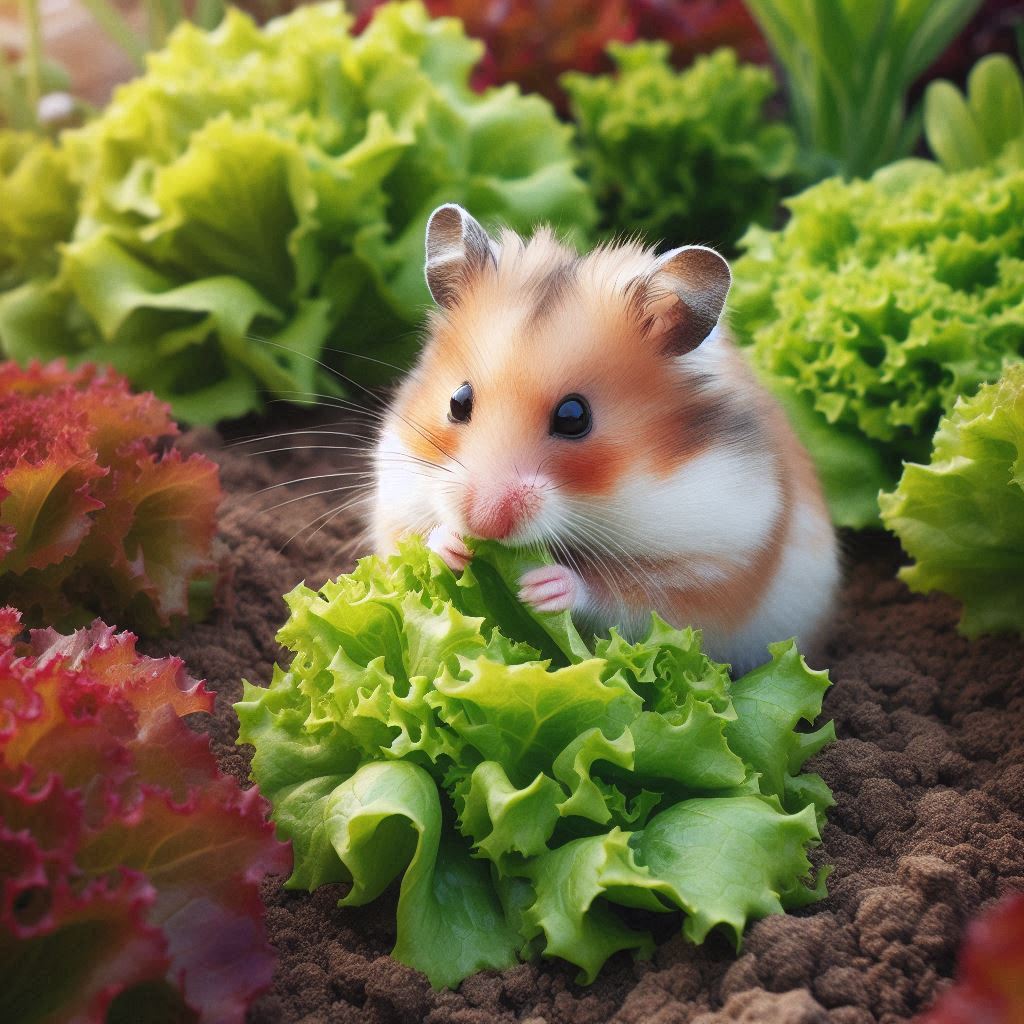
(461, 404)
(571, 417)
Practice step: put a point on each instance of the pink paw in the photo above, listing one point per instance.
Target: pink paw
(551, 588)
(444, 541)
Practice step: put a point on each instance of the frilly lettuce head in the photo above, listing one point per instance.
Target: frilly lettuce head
(258, 199)
(681, 156)
(877, 305)
(961, 517)
(527, 787)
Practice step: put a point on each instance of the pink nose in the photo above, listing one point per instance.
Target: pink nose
(495, 518)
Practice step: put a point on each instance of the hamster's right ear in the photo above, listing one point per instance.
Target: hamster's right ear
(457, 250)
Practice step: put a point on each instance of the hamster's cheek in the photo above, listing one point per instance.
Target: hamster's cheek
(589, 467)
(409, 495)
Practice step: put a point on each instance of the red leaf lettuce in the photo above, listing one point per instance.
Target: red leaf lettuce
(129, 863)
(97, 514)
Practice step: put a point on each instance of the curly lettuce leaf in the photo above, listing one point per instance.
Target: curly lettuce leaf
(256, 202)
(877, 305)
(680, 155)
(527, 784)
(126, 856)
(98, 515)
(961, 515)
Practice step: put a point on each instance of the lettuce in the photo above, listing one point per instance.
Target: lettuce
(532, 43)
(877, 305)
(99, 514)
(527, 786)
(130, 864)
(258, 199)
(961, 517)
(38, 205)
(990, 968)
(681, 156)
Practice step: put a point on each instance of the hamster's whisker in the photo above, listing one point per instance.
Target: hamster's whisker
(563, 548)
(613, 547)
(304, 479)
(597, 533)
(313, 494)
(331, 402)
(296, 433)
(422, 431)
(328, 516)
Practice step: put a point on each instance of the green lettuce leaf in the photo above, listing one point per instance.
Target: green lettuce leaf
(525, 783)
(877, 305)
(684, 155)
(961, 515)
(257, 201)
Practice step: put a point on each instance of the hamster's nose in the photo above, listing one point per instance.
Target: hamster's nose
(498, 515)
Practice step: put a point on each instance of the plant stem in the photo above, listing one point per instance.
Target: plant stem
(117, 28)
(33, 55)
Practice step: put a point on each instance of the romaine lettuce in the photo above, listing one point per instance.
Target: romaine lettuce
(525, 785)
(961, 517)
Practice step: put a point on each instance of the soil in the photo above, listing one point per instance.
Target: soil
(928, 828)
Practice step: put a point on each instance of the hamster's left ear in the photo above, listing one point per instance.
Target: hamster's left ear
(686, 294)
(458, 248)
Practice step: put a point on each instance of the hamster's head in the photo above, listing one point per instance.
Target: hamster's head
(553, 385)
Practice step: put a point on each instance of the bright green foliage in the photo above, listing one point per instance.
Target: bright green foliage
(968, 131)
(525, 785)
(680, 156)
(961, 517)
(877, 305)
(37, 206)
(849, 65)
(259, 198)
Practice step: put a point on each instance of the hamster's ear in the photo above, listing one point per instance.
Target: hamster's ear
(457, 249)
(686, 294)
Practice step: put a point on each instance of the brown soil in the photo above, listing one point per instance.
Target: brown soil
(928, 774)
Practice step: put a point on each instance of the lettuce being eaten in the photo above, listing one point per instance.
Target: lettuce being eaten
(877, 305)
(961, 516)
(526, 786)
(257, 201)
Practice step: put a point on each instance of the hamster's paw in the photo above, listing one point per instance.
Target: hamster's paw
(552, 588)
(444, 541)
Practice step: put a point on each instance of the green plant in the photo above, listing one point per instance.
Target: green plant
(849, 65)
(527, 786)
(968, 131)
(961, 516)
(27, 80)
(682, 156)
(877, 305)
(38, 207)
(260, 196)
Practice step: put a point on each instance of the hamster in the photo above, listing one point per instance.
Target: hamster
(595, 405)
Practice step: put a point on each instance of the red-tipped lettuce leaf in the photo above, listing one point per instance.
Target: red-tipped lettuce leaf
(126, 857)
(97, 514)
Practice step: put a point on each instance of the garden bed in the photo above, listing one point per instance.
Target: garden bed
(928, 775)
